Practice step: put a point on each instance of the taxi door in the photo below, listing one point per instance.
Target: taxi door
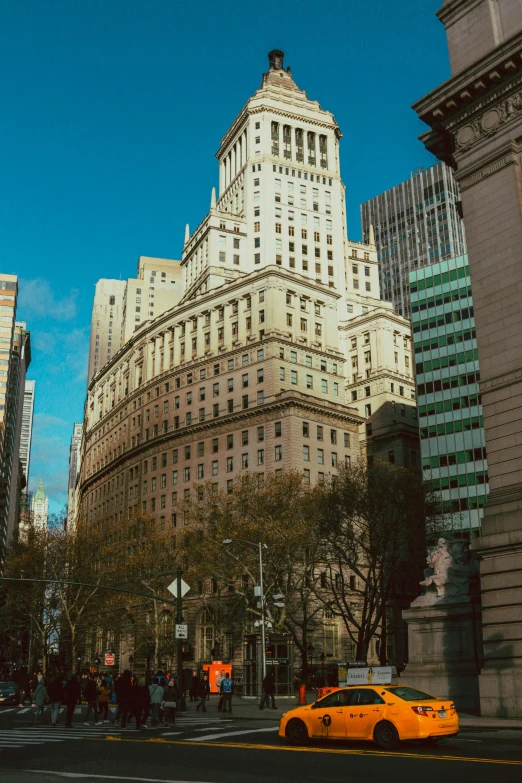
(328, 719)
(367, 708)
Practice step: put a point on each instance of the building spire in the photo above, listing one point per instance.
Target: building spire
(276, 60)
(213, 199)
(371, 240)
(187, 233)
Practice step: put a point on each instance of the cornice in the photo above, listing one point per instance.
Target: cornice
(454, 9)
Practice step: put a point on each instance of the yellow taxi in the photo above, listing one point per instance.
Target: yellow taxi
(385, 714)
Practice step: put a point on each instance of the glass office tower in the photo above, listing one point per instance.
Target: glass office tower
(453, 444)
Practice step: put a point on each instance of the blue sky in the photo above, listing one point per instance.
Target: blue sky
(112, 111)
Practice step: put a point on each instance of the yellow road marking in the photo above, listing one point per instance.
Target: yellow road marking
(338, 751)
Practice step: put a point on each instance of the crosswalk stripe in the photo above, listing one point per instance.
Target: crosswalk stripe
(25, 709)
(208, 737)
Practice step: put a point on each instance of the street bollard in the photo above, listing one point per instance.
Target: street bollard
(302, 695)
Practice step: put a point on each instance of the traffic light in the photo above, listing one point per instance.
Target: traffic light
(186, 651)
(3, 596)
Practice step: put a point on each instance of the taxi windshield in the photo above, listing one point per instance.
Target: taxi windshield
(410, 694)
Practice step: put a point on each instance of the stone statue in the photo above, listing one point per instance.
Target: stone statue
(449, 575)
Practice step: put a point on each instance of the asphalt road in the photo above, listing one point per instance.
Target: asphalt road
(224, 749)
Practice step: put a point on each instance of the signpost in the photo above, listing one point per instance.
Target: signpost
(179, 588)
(109, 659)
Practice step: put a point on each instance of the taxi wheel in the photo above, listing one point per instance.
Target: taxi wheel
(296, 732)
(386, 735)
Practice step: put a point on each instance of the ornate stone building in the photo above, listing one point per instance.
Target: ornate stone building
(278, 344)
(476, 126)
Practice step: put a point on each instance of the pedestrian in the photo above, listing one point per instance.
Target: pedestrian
(227, 689)
(40, 696)
(268, 691)
(219, 680)
(91, 697)
(56, 695)
(194, 688)
(141, 702)
(156, 691)
(203, 691)
(103, 701)
(72, 692)
(124, 693)
(172, 695)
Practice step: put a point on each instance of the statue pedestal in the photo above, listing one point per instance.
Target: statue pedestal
(444, 651)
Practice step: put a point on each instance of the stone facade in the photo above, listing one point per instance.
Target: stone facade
(476, 126)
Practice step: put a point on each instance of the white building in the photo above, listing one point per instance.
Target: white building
(27, 428)
(107, 310)
(74, 468)
(40, 507)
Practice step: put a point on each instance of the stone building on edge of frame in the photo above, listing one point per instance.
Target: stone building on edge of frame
(280, 354)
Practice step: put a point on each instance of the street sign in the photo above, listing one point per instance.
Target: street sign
(181, 631)
(173, 588)
(109, 659)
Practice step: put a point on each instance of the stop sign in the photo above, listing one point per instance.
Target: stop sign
(109, 659)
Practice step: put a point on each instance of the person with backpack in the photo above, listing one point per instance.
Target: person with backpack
(56, 695)
(171, 695)
(219, 680)
(40, 697)
(103, 701)
(227, 689)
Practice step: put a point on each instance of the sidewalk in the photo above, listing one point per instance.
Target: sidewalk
(248, 709)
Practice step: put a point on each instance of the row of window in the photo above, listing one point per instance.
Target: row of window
(445, 339)
(448, 383)
(444, 277)
(440, 299)
(450, 427)
(453, 316)
(456, 458)
(300, 174)
(462, 480)
(447, 361)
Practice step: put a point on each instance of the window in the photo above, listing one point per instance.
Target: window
(230, 441)
(244, 461)
(215, 390)
(320, 456)
(244, 401)
(230, 464)
(306, 476)
(260, 434)
(260, 456)
(260, 397)
(281, 373)
(324, 385)
(293, 376)
(306, 453)
(293, 357)
(215, 467)
(277, 429)
(260, 376)
(278, 453)
(174, 476)
(306, 429)
(319, 432)
(186, 474)
(309, 382)
(333, 436)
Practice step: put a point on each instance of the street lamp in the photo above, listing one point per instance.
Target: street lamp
(260, 547)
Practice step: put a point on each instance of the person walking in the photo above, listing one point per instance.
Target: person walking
(172, 695)
(141, 702)
(103, 701)
(91, 697)
(72, 693)
(194, 687)
(123, 688)
(219, 680)
(227, 689)
(156, 691)
(40, 696)
(268, 691)
(56, 695)
(203, 692)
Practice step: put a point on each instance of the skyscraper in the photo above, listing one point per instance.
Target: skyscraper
(74, 467)
(40, 507)
(277, 347)
(415, 224)
(27, 428)
(106, 319)
(451, 422)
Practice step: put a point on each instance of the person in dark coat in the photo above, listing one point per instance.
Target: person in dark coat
(91, 697)
(124, 693)
(56, 695)
(72, 693)
(203, 692)
(268, 691)
(194, 687)
(141, 703)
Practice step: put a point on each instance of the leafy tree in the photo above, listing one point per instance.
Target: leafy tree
(372, 523)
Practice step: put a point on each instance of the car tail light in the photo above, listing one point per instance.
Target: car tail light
(424, 711)
(452, 707)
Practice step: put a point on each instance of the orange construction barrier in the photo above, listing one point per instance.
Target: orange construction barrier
(302, 695)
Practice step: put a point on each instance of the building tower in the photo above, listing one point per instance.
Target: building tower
(40, 507)
(27, 428)
(106, 320)
(476, 126)
(451, 421)
(277, 346)
(74, 469)
(415, 224)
